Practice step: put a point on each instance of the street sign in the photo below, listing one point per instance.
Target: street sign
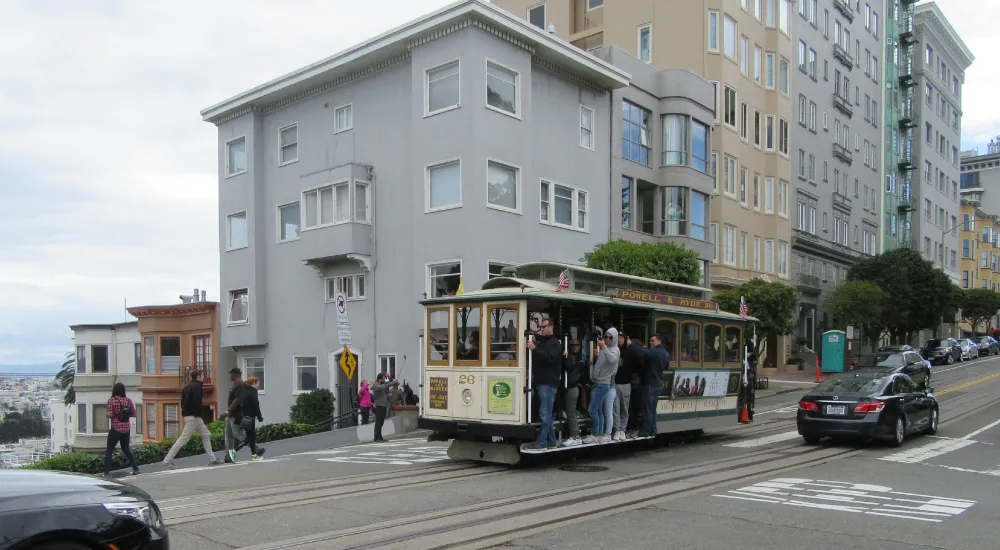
(344, 334)
(348, 363)
(340, 299)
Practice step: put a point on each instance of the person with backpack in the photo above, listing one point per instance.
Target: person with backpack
(120, 409)
(191, 405)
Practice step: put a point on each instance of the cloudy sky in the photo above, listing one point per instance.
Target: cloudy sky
(108, 188)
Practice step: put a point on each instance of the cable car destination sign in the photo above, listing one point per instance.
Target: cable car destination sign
(666, 300)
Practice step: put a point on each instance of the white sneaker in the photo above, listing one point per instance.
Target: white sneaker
(591, 439)
(571, 442)
(605, 439)
(619, 436)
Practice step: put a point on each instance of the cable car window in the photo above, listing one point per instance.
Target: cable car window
(468, 341)
(438, 336)
(503, 337)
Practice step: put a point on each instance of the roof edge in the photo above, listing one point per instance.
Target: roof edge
(934, 11)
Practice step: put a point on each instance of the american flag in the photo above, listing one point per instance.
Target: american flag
(744, 312)
(563, 280)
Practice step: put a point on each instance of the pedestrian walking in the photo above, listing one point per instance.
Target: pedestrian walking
(380, 396)
(119, 410)
(251, 415)
(191, 407)
(233, 415)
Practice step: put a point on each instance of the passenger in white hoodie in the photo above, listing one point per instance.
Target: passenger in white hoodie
(602, 394)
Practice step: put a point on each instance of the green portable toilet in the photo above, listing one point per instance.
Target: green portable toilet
(834, 344)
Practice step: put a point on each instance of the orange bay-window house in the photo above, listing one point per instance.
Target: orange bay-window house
(176, 341)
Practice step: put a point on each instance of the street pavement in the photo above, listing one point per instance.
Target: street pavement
(749, 486)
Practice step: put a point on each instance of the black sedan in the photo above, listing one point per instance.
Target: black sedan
(987, 345)
(43, 510)
(909, 363)
(945, 350)
(867, 403)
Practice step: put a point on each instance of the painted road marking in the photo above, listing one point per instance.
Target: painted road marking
(783, 410)
(929, 451)
(761, 441)
(398, 457)
(981, 430)
(856, 498)
(967, 384)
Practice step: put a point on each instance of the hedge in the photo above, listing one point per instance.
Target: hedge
(149, 453)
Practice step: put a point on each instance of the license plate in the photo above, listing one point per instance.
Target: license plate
(836, 409)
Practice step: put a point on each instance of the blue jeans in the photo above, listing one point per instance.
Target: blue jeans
(650, 396)
(609, 410)
(546, 401)
(597, 395)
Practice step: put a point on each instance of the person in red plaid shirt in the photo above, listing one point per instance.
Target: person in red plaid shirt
(120, 410)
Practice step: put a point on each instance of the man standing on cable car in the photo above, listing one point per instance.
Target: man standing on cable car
(657, 361)
(546, 369)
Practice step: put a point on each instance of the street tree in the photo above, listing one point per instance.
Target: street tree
(917, 293)
(978, 305)
(773, 304)
(662, 261)
(858, 303)
(65, 378)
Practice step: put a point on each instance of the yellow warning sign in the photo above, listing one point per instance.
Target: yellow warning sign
(348, 363)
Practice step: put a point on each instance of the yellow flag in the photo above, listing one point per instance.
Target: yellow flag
(461, 286)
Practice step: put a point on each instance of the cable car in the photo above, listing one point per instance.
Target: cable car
(476, 388)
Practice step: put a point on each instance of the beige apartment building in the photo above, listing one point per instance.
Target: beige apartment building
(744, 48)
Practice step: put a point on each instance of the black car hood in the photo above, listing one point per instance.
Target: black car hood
(31, 489)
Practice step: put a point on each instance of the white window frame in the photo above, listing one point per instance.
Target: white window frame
(358, 281)
(714, 37)
(368, 202)
(427, 273)
(744, 122)
(385, 369)
(782, 258)
(517, 89)
(770, 135)
(295, 372)
(583, 129)
(729, 244)
(769, 262)
(726, 104)
(490, 263)
(756, 253)
(736, 35)
(758, 129)
(517, 186)
(350, 118)
(229, 307)
(246, 156)
(427, 185)
(770, 70)
(758, 65)
(427, 88)
(713, 237)
(545, 14)
(769, 194)
(229, 231)
(591, 6)
(574, 226)
(263, 379)
(281, 148)
(277, 222)
(638, 42)
(729, 175)
(744, 54)
(744, 238)
(782, 198)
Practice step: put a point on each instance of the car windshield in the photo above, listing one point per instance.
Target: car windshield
(888, 360)
(934, 344)
(984, 340)
(865, 383)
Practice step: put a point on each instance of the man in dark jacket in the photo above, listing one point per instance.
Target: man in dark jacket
(546, 368)
(632, 360)
(657, 361)
(233, 415)
(191, 404)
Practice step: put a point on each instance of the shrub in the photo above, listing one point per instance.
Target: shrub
(313, 408)
(285, 430)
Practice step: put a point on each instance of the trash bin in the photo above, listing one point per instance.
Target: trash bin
(834, 345)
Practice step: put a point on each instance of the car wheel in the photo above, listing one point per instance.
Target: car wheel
(933, 426)
(811, 439)
(951, 359)
(899, 434)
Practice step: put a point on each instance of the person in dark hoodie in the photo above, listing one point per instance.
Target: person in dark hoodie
(547, 363)
(632, 359)
(252, 415)
(657, 360)
(575, 366)
(191, 405)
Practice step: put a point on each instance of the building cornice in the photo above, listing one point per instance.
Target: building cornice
(559, 71)
(176, 310)
(931, 16)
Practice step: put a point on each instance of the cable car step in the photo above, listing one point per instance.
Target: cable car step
(525, 448)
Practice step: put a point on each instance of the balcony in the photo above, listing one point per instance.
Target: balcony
(844, 7)
(807, 283)
(841, 201)
(843, 153)
(908, 118)
(906, 78)
(907, 160)
(843, 56)
(174, 380)
(906, 29)
(803, 235)
(843, 104)
(340, 241)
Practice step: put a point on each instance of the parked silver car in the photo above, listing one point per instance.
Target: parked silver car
(970, 350)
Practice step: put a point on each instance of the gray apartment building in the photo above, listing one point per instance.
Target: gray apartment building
(937, 108)
(980, 174)
(836, 149)
(426, 158)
